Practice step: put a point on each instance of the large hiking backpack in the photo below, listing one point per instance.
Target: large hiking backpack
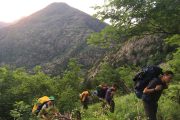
(142, 79)
(40, 102)
(83, 96)
(101, 91)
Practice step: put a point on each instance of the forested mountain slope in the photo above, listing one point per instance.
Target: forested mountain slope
(49, 38)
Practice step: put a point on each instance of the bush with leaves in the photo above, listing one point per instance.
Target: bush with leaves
(107, 74)
(127, 74)
(169, 104)
(21, 111)
(69, 87)
(18, 85)
(69, 101)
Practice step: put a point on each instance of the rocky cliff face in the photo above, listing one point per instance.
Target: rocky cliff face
(139, 51)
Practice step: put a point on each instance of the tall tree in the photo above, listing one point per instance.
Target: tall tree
(140, 17)
(70, 86)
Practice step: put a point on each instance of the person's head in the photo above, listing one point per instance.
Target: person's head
(114, 86)
(86, 92)
(104, 85)
(50, 103)
(167, 76)
(51, 100)
(100, 86)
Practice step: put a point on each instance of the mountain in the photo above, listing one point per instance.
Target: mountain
(50, 37)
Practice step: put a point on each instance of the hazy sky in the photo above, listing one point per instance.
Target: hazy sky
(12, 10)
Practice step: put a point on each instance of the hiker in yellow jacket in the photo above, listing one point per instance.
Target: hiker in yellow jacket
(84, 97)
(39, 109)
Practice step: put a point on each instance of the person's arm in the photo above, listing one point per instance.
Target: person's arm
(152, 90)
(83, 97)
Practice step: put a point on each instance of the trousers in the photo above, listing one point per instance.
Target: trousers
(150, 109)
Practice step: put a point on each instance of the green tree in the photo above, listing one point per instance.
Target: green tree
(70, 86)
(127, 74)
(69, 100)
(21, 111)
(106, 38)
(139, 17)
(174, 63)
(107, 74)
(18, 85)
(6, 99)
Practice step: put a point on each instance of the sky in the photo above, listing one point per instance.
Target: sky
(13, 10)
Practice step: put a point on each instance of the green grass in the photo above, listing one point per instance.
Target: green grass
(128, 107)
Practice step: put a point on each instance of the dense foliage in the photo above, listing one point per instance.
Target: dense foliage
(136, 25)
(20, 89)
(138, 17)
(153, 28)
(129, 107)
(106, 75)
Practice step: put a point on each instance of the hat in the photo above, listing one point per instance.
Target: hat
(51, 98)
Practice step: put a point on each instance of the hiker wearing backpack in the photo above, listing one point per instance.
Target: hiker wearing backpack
(41, 105)
(101, 91)
(149, 84)
(152, 93)
(109, 97)
(84, 97)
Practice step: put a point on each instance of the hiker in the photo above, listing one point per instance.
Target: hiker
(109, 97)
(101, 91)
(84, 97)
(152, 93)
(42, 104)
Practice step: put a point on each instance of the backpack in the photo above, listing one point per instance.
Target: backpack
(39, 103)
(101, 91)
(142, 79)
(84, 95)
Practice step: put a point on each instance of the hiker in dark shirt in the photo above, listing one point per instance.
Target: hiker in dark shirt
(153, 92)
(109, 97)
(101, 91)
